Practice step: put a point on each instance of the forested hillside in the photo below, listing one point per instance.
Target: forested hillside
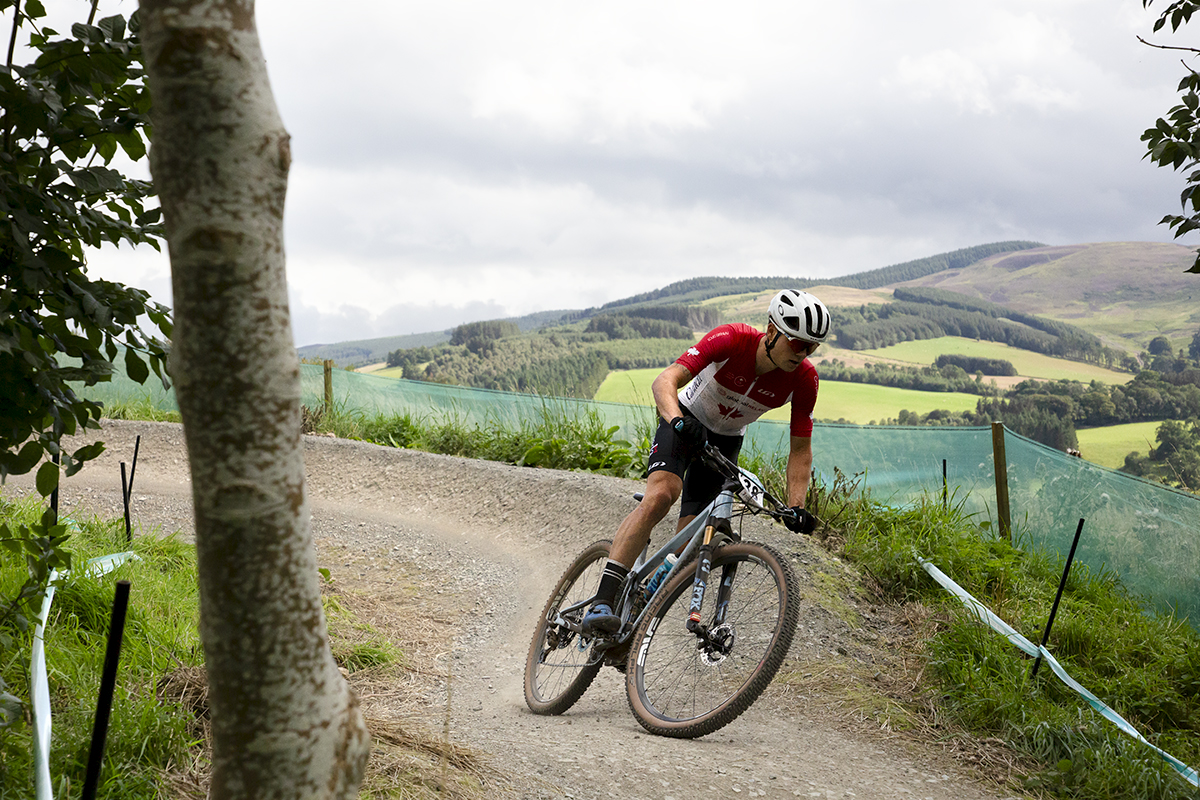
(923, 313)
(567, 360)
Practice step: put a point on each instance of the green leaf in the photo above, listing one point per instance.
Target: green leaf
(47, 478)
(113, 27)
(34, 9)
(135, 367)
(28, 457)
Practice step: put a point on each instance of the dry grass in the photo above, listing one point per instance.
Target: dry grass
(412, 757)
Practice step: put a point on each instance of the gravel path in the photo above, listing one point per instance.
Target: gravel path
(470, 550)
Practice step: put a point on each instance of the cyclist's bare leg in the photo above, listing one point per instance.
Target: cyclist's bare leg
(662, 490)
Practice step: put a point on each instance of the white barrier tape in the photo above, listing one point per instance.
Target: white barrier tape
(985, 615)
(39, 682)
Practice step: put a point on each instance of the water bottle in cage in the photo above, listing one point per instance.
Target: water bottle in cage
(660, 573)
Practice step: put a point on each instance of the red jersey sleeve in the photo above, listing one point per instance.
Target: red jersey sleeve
(804, 399)
(716, 346)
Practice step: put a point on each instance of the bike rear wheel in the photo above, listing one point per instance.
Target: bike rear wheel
(560, 665)
(678, 685)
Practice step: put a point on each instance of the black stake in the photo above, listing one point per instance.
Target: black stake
(945, 488)
(108, 681)
(1037, 662)
(125, 501)
(54, 495)
(137, 443)
(127, 489)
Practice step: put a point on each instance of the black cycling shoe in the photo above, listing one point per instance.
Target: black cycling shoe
(600, 620)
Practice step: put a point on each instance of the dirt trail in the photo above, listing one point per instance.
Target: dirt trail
(458, 556)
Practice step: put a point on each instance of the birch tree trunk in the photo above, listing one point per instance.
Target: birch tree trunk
(285, 723)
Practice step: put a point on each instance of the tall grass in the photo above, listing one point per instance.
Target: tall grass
(557, 438)
(1145, 665)
(145, 736)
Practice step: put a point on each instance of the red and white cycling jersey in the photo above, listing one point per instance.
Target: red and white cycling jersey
(726, 395)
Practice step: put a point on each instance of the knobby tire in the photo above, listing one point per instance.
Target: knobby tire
(556, 677)
(677, 688)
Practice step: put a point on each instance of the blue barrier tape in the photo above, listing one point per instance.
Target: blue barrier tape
(985, 615)
(39, 684)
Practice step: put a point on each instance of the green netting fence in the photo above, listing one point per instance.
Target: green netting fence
(1147, 533)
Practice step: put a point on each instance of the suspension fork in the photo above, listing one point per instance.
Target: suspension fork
(716, 526)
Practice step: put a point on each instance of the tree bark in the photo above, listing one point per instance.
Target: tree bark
(285, 723)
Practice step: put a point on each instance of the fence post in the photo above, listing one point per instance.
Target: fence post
(1000, 461)
(328, 386)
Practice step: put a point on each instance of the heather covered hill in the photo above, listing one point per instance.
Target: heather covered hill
(1124, 292)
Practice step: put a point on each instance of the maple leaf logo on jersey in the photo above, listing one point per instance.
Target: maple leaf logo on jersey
(729, 412)
(693, 351)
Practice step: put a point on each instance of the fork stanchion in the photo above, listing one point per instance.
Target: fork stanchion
(1037, 662)
(108, 681)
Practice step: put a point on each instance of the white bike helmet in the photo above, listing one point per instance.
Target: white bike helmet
(799, 315)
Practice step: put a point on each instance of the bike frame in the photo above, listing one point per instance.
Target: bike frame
(710, 528)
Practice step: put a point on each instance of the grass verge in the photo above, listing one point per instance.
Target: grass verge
(1144, 665)
(158, 739)
(147, 737)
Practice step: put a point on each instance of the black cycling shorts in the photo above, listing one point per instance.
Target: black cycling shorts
(700, 484)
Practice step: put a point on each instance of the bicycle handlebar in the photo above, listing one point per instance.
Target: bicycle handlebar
(747, 490)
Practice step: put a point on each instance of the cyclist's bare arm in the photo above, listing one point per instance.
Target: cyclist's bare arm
(799, 470)
(666, 390)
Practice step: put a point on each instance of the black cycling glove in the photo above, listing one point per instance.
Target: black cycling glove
(691, 433)
(803, 522)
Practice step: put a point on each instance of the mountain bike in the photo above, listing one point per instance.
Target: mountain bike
(703, 647)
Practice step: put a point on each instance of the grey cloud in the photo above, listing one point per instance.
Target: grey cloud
(311, 325)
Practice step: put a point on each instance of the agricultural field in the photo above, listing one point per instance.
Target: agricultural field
(1108, 446)
(385, 372)
(923, 352)
(854, 402)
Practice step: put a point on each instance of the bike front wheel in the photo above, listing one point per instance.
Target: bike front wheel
(560, 665)
(686, 685)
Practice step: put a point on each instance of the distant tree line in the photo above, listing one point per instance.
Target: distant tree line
(622, 326)
(655, 322)
(932, 313)
(947, 378)
(977, 365)
(1050, 411)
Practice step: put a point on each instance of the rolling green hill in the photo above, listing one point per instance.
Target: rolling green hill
(1124, 292)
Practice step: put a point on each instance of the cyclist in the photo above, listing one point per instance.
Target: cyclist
(730, 378)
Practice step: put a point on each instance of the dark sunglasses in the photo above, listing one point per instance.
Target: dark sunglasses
(799, 346)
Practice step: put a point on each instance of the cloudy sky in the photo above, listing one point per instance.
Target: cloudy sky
(471, 160)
